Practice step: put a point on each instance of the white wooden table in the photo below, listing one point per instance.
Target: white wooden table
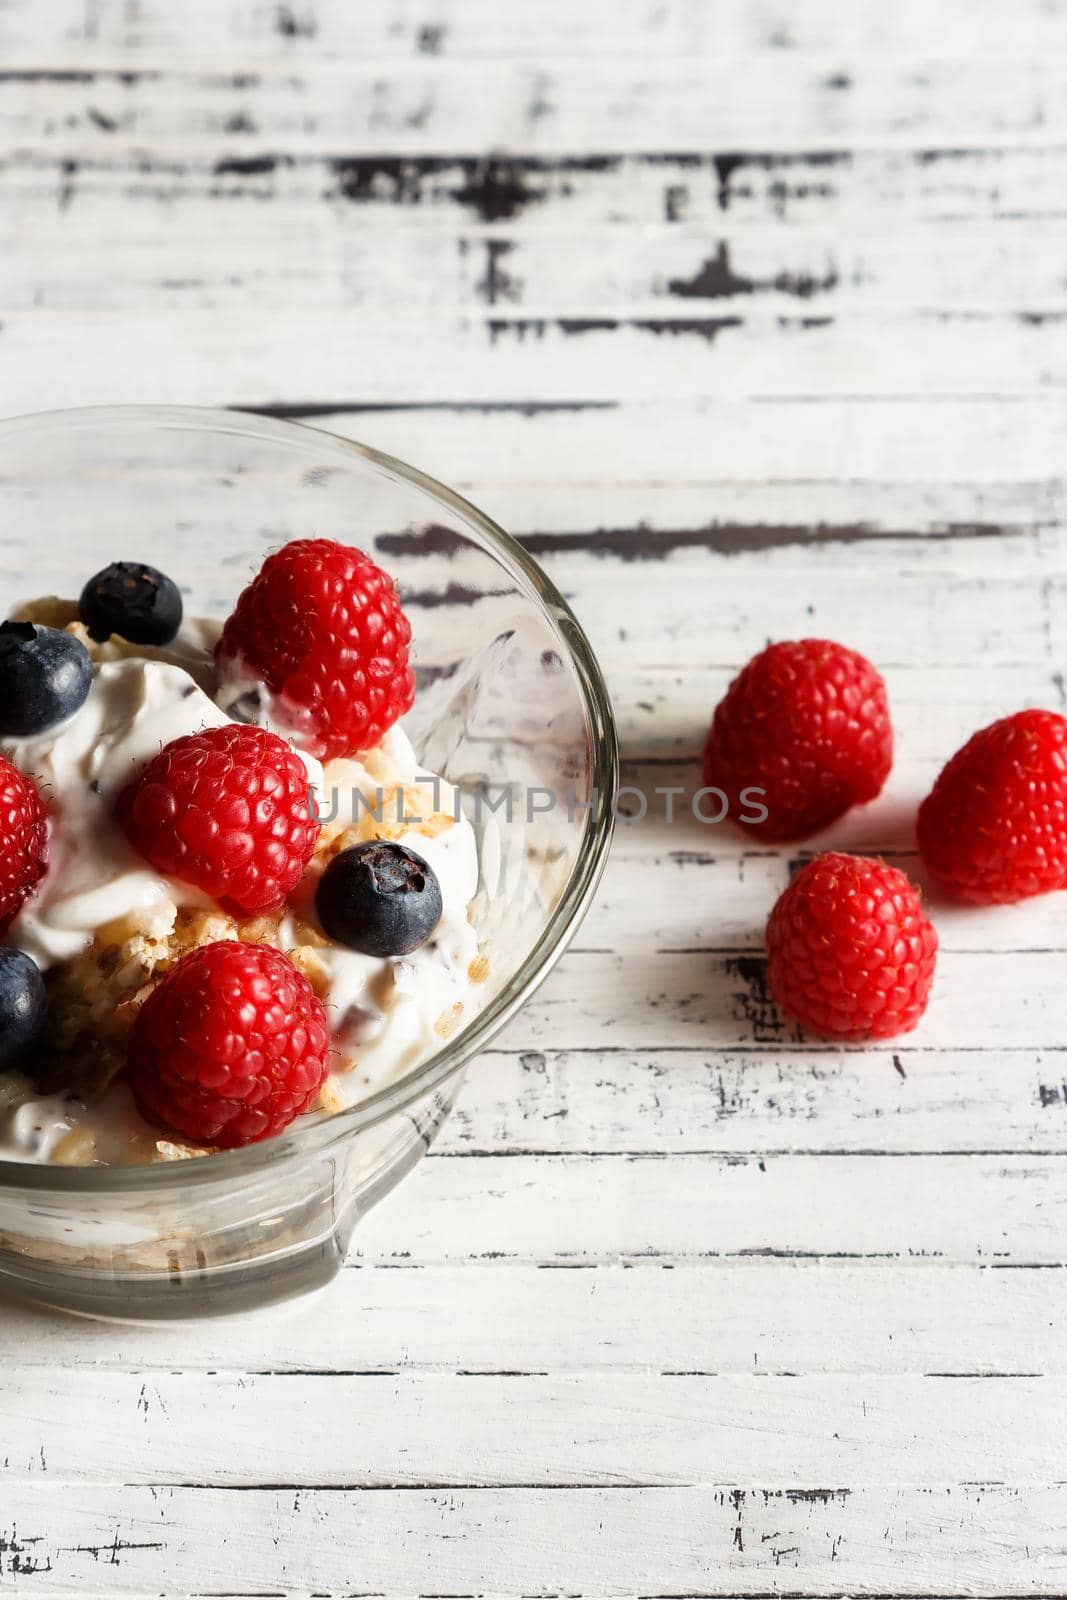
(751, 317)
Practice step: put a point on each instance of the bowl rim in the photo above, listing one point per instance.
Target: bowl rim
(299, 1143)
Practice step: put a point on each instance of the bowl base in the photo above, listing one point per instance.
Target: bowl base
(178, 1295)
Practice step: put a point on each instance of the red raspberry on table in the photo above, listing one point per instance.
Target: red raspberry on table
(994, 827)
(850, 952)
(227, 810)
(23, 841)
(807, 722)
(229, 1047)
(321, 628)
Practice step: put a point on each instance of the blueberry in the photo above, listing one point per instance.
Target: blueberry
(45, 677)
(22, 1004)
(379, 898)
(134, 601)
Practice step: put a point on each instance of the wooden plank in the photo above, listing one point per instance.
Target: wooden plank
(577, 1430)
(723, 882)
(848, 198)
(678, 888)
(421, 105)
(545, 477)
(857, 447)
(781, 530)
(711, 619)
(554, 360)
(449, 28)
(732, 475)
(779, 527)
(683, 878)
(565, 253)
(977, 1539)
(570, 1101)
(589, 1209)
(740, 1316)
(332, 27)
(714, 1001)
(922, 618)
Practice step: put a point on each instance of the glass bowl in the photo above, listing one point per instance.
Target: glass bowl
(510, 707)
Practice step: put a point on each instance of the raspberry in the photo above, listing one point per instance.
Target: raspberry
(227, 810)
(229, 1047)
(321, 628)
(23, 841)
(994, 827)
(850, 952)
(806, 722)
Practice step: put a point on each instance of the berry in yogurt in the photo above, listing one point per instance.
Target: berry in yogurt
(23, 1005)
(380, 898)
(227, 810)
(319, 641)
(23, 840)
(45, 677)
(132, 600)
(231, 1046)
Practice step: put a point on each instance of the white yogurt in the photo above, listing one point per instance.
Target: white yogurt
(386, 1014)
